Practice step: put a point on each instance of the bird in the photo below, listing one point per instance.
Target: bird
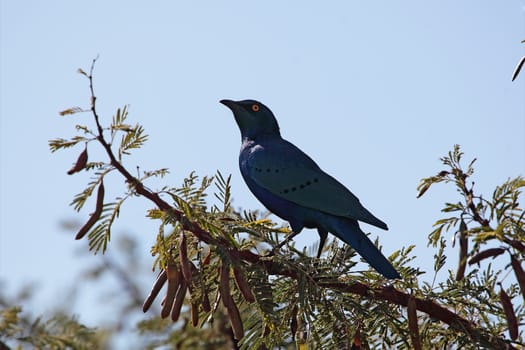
(291, 185)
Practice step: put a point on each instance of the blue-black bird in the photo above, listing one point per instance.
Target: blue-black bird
(292, 186)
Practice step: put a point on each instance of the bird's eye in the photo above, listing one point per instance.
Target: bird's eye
(255, 107)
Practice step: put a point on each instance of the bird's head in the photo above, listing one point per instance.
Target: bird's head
(253, 118)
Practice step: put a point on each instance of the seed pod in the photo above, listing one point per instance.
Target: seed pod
(174, 281)
(520, 274)
(412, 323)
(207, 259)
(517, 244)
(243, 286)
(161, 279)
(80, 164)
(293, 322)
(356, 342)
(509, 314)
(488, 253)
(96, 214)
(179, 300)
(518, 68)
(235, 320)
(206, 307)
(267, 330)
(185, 265)
(224, 284)
(463, 251)
(194, 314)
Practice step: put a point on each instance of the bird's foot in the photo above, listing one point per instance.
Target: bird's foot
(282, 244)
(275, 249)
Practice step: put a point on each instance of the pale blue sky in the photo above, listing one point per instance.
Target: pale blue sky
(374, 91)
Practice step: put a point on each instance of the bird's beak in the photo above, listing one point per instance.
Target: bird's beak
(229, 103)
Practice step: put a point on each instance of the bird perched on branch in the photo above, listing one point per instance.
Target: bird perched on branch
(292, 186)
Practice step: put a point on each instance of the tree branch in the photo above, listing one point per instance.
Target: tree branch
(385, 293)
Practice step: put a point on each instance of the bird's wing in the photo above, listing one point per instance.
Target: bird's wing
(288, 172)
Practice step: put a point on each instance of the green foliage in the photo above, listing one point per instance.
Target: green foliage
(134, 136)
(241, 294)
(58, 332)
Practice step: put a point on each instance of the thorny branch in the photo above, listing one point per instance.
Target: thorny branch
(385, 293)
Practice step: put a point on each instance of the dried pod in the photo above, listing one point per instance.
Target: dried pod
(174, 281)
(488, 253)
(206, 306)
(80, 164)
(267, 330)
(412, 323)
(235, 320)
(243, 286)
(518, 68)
(207, 259)
(356, 342)
(179, 300)
(161, 279)
(224, 284)
(517, 245)
(185, 265)
(194, 314)
(463, 250)
(520, 274)
(96, 214)
(293, 322)
(509, 314)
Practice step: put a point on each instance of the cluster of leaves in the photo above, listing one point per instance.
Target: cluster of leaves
(486, 229)
(58, 332)
(223, 289)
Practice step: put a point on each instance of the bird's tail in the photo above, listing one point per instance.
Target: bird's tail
(350, 232)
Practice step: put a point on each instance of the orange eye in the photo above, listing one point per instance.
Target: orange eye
(255, 107)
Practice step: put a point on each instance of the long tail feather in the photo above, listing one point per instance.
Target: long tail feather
(350, 232)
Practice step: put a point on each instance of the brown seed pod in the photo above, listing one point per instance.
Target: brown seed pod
(185, 265)
(412, 323)
(174, 281)
(179, 300)
(206, 306)
(463, 250)
(488, 253)
(159, 283)
(96, 214)
(194, 314)
(224, 284)
(356, 342)
(207, 259)
(266, 331)
(509, 313)
(243, 286)
(520, 274)
(235, 320)
(517, 245)
(293, 322)
(80, 164)
(518, 68)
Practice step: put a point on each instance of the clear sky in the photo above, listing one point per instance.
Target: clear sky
(374, 91)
